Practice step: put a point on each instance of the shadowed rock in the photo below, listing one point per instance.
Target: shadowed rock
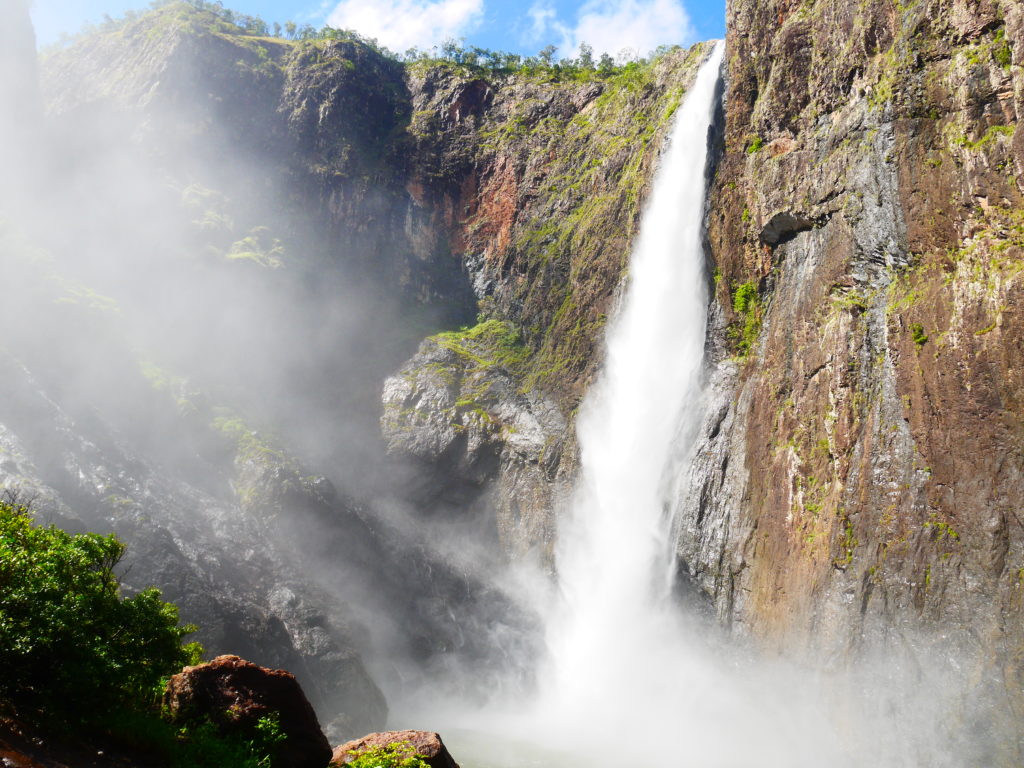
(783, 227)
(235, 694)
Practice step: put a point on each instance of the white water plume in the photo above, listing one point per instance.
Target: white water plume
(613, 559)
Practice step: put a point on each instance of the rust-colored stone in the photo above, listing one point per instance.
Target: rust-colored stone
(235, 694)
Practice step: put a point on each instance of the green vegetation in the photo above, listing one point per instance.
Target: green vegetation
(70, 645)
(848, 544)
(82, 661)
(919, 336)
(755, 145)
(212, 16)
(941, 529)
(396, 755)
(259, 248)
(992, 133)
(746, 303)
(491, 343)
(1001, 50)
(195, 746)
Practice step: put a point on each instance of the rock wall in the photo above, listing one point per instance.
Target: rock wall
(860, 476)
(227, 241)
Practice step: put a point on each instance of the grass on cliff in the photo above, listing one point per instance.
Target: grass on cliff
(746, 304)
(492, 343)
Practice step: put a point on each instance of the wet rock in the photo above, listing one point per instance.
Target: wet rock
(235, 694)
(464, 418)
(423, 743)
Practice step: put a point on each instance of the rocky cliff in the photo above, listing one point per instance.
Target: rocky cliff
(541, 181)
(224, 266)
(861, 472)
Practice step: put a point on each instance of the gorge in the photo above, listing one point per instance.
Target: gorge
(350, 351)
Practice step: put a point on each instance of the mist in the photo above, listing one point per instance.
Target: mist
(197, 348)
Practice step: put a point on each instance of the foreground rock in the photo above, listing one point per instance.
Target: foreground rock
(426, 744)
(234, 694)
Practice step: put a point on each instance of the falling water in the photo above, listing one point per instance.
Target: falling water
(615, 627)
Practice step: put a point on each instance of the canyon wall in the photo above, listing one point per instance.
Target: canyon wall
(859, 483)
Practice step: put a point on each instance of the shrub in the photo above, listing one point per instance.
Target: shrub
(70, 646)
(398, 755)
(146, 733)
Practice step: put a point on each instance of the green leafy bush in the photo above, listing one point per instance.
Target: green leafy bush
(397, 755)
(70, 646)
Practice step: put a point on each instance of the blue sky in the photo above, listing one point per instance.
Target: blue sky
(612, 26)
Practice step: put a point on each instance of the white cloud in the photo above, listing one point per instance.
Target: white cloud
(542, 17)
(622, 28)
(401, 24)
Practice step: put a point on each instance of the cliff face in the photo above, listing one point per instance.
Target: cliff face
(861, 473)
(227, 241)
(540, 183)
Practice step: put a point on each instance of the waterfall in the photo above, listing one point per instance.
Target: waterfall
(614, 627)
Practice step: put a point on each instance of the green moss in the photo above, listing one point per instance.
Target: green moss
(941, 530)
(744, 298)
(1001, 50)
(992, 133)
(850, 300)
(919, 336)
(848, 544)
(492, 343)
(249, 441)
(754, 145)
(746, 303)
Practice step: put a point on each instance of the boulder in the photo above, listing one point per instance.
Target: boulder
(235, 694)
(426, 744)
